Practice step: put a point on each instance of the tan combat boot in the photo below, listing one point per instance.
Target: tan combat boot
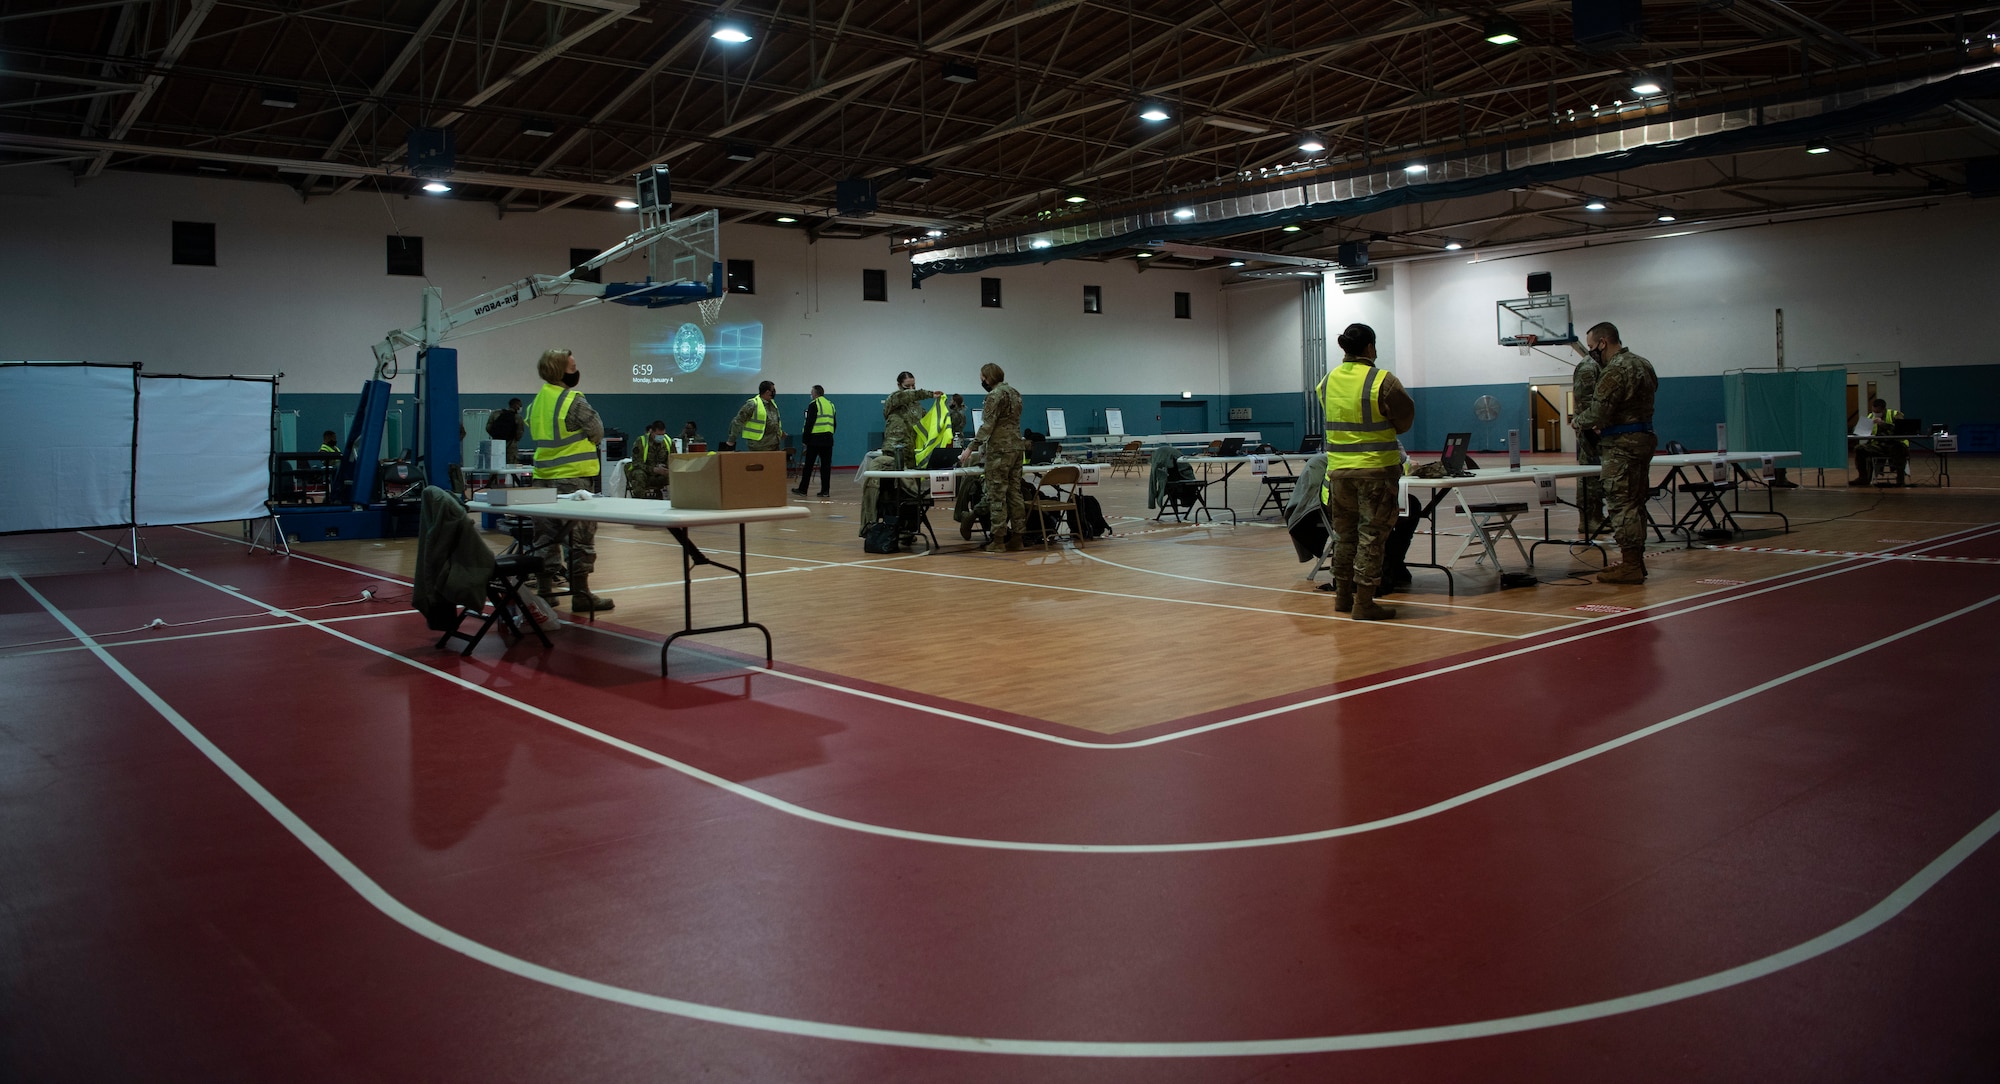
(545, 585)
(998, 542)
(1367, 609)
(582, 601)
(1343, 596)
(1632, 569)
(1013, 542)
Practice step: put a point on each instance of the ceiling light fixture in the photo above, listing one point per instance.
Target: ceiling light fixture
(1646, 86)
(958, 71)
(1293, 229)
(1076, 197)
(933, 233)
(440, 187)
(731, 31)
(1594, 205)
(1236, 263)
(1040, 242)
(539, 127)
(626, 204)
(1453, 246)
(1142, 255)
(919, 174)
(1502, 31)
(1415, 168)
(1184, 213)
(281, 98)
(1154, 111)
(786, 220)
(1665, 216)
(1818, 150)
(1311, 143)
(739, 152)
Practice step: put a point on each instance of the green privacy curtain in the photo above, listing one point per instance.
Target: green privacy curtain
(1803, 410)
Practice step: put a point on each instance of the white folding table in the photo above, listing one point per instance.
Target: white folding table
(636, 512)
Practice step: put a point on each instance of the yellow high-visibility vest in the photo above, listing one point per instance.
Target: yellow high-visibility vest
(754, 428)
(823, 418)
(560, 452)
(1358, 434)
(932, 431)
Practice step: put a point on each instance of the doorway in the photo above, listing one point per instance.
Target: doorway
(1545, 418)
(1183, 415)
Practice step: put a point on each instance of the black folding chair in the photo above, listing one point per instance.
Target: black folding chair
(511, 572)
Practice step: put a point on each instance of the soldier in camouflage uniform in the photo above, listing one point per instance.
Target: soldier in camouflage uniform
(1621, 415)
(900, 414)
(1589, 491)
(1000, 436)
(757, 424)
(956, 408)
(567, 432)
(646, 475)
(1365, 408)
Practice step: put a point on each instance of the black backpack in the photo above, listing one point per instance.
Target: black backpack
(503, 425)
(880, 537)
(1094, 523)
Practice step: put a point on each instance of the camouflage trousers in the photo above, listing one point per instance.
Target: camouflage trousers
(1005, 509)
(1628, 479)
(1363, 510)
(1589, 491)
(578, 538)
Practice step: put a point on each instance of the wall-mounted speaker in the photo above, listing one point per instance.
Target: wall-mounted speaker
(1353, 254)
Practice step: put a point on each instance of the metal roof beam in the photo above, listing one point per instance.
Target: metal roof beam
(169, 56)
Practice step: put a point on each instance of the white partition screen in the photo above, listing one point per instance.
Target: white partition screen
(204, 448)
(67, 444)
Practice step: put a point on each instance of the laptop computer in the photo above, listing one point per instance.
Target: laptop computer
(1456, 463)
(1042, 452)
(1230, 446)
(1311, 444)
(1908, 427)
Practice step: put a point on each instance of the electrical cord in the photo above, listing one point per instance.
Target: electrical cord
(367, 595)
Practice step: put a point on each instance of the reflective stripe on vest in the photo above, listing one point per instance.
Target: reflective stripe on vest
(560, 452)
(823, 418)
(932, 431)
(1357, 434)
(754, 428)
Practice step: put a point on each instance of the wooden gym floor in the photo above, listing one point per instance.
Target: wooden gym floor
(1147, 810)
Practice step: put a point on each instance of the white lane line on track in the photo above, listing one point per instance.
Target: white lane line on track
(908, 835)
(1658, 611)
(397, 911)
(1398, 600)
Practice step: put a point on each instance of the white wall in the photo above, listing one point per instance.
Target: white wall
(301, 288)
(1887, 287)
(1265, 335)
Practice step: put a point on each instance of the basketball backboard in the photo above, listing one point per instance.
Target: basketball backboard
(1541, 320)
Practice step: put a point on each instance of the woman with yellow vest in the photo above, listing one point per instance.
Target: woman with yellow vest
(566, 431)
(757, 424)
(1365, 407)
(819, 442)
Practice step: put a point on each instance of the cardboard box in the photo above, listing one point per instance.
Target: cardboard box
(727, 480)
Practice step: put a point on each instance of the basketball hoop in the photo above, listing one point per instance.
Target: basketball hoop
(711, 309)
(1526, 343)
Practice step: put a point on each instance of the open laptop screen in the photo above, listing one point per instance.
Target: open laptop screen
(1454, 452)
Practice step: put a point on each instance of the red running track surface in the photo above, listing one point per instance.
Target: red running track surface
(766, 844)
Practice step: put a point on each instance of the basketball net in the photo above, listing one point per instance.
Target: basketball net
(1526, 343)
(711, 309)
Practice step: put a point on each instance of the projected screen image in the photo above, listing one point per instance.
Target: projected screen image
(674, 354)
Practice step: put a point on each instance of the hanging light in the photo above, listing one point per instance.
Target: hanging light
(1415, 168)
(1312, 143)
(1594, 205)
(1646, 86)
(730, 31)
(626, 204)
(933, 233)
(1293, 229)
(1184, 213)
(1665, 216)
(1453, 246)
(786, 220)
(1502, 31)
(1154, 111)
(1040, 242)
(1075, 197)
(437, 186)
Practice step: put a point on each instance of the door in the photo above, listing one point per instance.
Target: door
(1183, 415)
(1545, 421)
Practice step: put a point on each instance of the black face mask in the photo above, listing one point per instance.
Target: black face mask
(1597, 354)
(570, 378)
(984, 386)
